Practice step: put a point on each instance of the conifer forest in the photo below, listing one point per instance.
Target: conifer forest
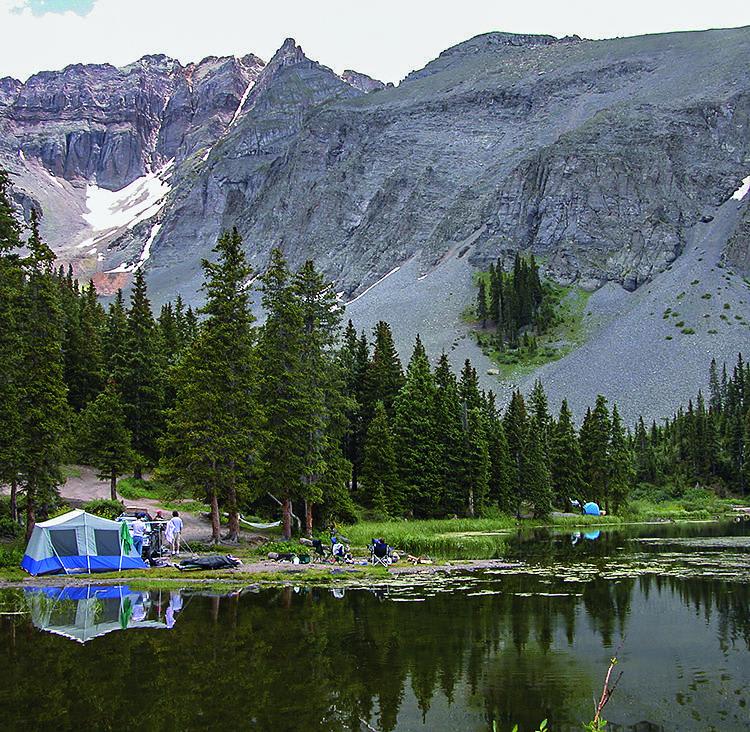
(303, 407)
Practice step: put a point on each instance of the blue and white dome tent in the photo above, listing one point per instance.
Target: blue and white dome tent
(79, 542)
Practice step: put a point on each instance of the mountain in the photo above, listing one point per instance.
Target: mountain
(614, 161)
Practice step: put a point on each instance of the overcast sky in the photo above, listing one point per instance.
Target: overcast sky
(384, 38)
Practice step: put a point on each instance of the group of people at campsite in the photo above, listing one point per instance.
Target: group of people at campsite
(172, 531)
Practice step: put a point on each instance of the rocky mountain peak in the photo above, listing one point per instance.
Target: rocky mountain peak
(288, 55)
(9, 88)
(361, 81)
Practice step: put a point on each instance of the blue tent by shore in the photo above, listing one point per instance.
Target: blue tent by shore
(79, 542)
(591, 509)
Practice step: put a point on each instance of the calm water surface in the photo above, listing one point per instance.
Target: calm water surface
(472, 651)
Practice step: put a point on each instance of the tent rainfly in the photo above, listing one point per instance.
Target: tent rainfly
(78, 542)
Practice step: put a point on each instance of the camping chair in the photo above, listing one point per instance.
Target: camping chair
(380, 553)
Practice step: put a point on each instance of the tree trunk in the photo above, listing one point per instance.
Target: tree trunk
(30, 512)
(471, 501)
(113, 485)
(308, 519)
(286, 517)
(138, 472)
(14, 500)
(234, 516)
(215, 523)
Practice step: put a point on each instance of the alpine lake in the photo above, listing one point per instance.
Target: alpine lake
(458, 650)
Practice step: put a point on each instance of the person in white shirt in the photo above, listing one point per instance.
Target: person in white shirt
(139, 529)
(173, 532)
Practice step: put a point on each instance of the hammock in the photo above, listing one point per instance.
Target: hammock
(261, 526)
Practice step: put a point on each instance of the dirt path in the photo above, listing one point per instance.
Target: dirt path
(85, 486)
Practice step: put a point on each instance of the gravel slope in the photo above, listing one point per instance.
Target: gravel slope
(628, 355)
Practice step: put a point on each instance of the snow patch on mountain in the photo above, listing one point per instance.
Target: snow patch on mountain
(136, 202)
(743, 190)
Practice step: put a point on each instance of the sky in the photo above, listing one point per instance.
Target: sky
(384, 38)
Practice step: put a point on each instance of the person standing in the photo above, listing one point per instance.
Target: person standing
(139, 529)
(174, 530)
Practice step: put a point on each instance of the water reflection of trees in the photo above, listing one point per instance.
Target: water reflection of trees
(286, 660)
(709, 597)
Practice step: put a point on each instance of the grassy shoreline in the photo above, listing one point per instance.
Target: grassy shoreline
(451, 543)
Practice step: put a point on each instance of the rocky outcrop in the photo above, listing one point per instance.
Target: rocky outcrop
(106, 125)
(360, 81)
(736, 254)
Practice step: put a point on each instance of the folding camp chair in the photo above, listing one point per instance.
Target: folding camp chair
(380, 553)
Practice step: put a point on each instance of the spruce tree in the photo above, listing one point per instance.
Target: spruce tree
(211, 447)
(326, 404)
(595, 438)
(142, 382)
(476, 464)
(379, 470)
(515, 423)
(414, 431)
(44, 416)
(502, 486)
(620, 463)
(482, 303)
(11, 344)
(283, 390)
(565, 459)
(114, 340)
(534, 471)
(385, 376)
(449, 428)
(104, 440)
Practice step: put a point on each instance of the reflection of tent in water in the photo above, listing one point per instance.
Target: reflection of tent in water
(79, 542)
(84, 613)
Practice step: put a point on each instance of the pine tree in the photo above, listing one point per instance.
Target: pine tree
(385, 376)
(476, 464)
(354, 359)
(45, 416)
(501, 488)
(143, 377)
(326, 405)
(114, 341)
(212, 444)
(89, 366)
(565, 459)
(11, 344)
(449, 437)
(516, 428)
(379, 471)
(595, 437)
(715, 401)
(104, 440)
(482, 303)
(283, 396)
(535, 475)
(414, 431)
(620, 463)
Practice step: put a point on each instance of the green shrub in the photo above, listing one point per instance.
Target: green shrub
(10, 555)
(104, 507)
(727, 306)
(9, 529)
(679, 324)
(706, 296)
(688, 331)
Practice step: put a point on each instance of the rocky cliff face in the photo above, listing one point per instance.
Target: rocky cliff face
(598, 156)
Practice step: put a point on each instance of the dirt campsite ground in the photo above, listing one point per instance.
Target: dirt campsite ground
(83, 486)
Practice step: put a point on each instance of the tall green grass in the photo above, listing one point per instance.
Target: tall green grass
(482, 538)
